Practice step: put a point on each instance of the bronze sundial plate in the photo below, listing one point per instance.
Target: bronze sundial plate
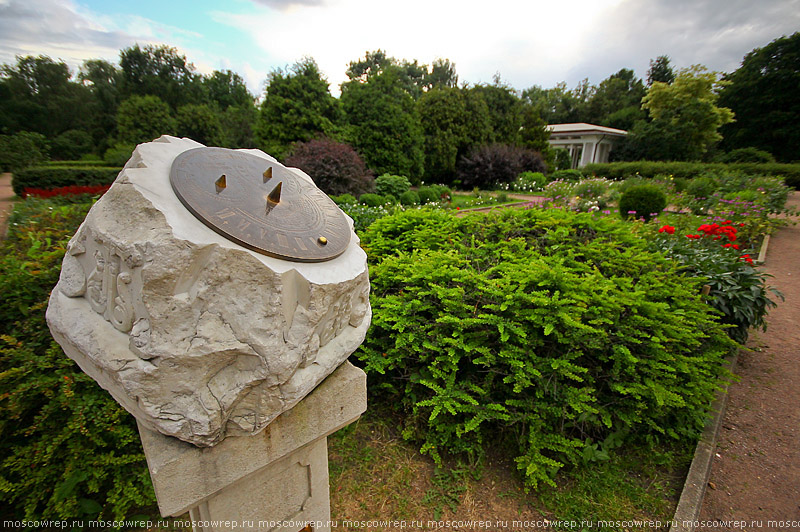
(259, 204)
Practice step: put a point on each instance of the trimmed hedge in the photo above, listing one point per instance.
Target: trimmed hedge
(688, 170)
(91, 162)
(47, 177)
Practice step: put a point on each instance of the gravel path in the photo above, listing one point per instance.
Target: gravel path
(755, 475)
(6, 201)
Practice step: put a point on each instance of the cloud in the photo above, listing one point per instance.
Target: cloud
(283, 5)
(715, 33)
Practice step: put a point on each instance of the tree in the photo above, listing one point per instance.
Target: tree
(383, 124)
(199, 122)
(38, 94)
(143, 118)
(559, 105)
(442, 74)
(505, 110)
(660, 70)
(617, 101)
(689, 105)
(160, 71)
(226, 89)
(413, 77)
(297, 106)
(334, 166)
(764, 92)
(453, 122)
(103, 80)
(238, 125)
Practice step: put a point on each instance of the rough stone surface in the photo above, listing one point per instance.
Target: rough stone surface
(196, 336)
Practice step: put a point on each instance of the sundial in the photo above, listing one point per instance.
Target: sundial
(259, 204)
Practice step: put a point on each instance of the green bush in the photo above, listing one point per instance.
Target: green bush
(442, 192)
(82, 162)
(21, 150)
(688, 170)
(566, 175)
(363, 215)
(372, 200)
(391, 185)
(537, 330)
(409, 197)
(71, 145)
(747, 155)
(529, 182)
(47, 177)
(643, 201)
(344, 199)
(702, 187)
(427, 195)
(67, 449)
(563, 160)
(119, 154)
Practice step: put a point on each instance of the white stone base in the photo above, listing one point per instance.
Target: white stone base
(274, 481)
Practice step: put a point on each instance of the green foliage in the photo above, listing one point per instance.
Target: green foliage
(344, 199)
(391, 185)
(660, 71)
(118, 154)
(643, 201)
(428, 195)
(61, 176)
(534, 328)
(365, 215)
(68, 449)
(566, 175)
(21, 150)
(505, 111)
(199, 122)
(747, 155)
(297, 107)
(383, 124)
(617, 101)
(71, 145)
(453, 122)
(144, 118)
(762, 93)
(690, 103)
(334, 166)
(562, 159)
(238, 123)
(689, 170)
(227, 89)
(372, 200)
(161, 72)
(409, 198)
(529, 182)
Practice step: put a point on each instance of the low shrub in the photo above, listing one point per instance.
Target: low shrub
(372, 200)
(790, 173)
(71, 144)
(747, 155)
(528, 182)
(391, 185)
(643, 201)
(591, 188)
(566, 175)
(47, 177)
(409, 197)
(335, 167)
(21, 150)
(487, 166)
(119, 154)
(442, 192)
(344, 199)
(82, 162)
(428, 195)
(363, 215)
(540, 330)
(67, 449)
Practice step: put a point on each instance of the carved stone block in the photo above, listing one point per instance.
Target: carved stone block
(195, 335)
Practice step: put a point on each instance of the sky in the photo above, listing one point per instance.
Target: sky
(527, 43)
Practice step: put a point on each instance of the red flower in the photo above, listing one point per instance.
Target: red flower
(693, 237)
(667, 229)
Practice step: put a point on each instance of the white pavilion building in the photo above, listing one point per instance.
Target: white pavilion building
(586, 143)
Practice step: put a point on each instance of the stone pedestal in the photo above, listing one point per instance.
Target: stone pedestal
(276, 480)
